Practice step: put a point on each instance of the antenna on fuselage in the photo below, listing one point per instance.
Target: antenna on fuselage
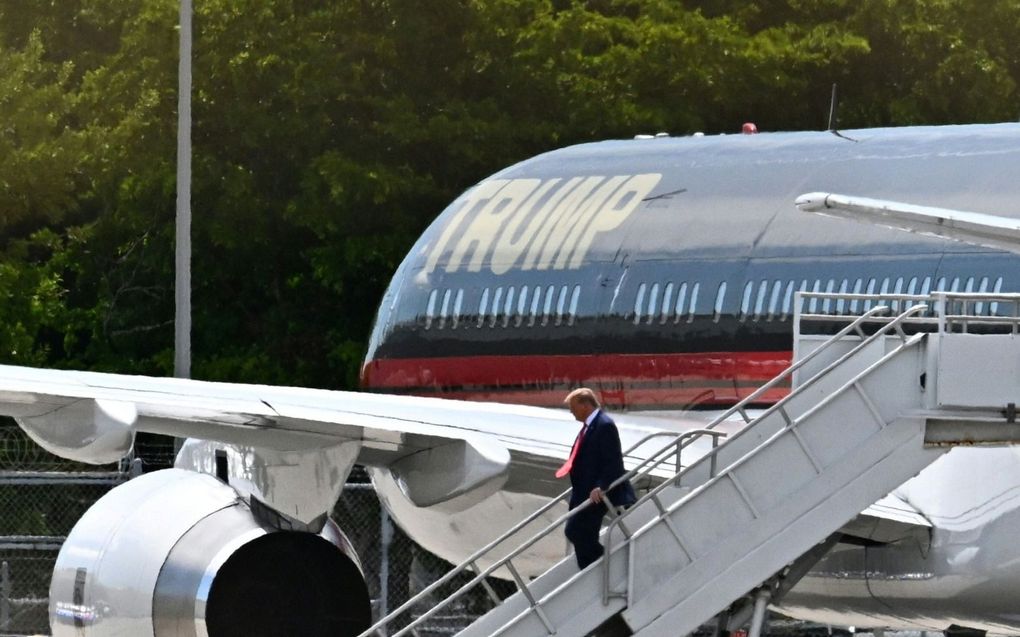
(834, 115)
(832, 110)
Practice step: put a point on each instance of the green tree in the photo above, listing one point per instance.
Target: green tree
(329, 133)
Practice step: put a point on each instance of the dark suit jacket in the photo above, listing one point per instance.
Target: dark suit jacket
(599, 461)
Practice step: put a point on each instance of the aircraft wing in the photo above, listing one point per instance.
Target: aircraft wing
(437, 448)
(991, 231)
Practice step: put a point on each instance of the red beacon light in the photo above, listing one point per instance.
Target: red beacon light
(749, 129)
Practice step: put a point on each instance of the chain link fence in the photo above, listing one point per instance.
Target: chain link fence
(42, 496)
(396, 568)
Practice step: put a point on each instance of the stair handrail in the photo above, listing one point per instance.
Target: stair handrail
(470, 561)
(711, 456)
(811, 381)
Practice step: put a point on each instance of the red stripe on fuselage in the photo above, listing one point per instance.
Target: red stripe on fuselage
(627, 381)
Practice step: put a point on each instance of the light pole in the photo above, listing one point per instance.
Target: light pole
(182, 261)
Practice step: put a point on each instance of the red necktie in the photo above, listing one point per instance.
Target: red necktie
(569, 464)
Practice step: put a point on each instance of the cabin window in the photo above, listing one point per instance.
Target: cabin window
(522, 306)
(681, 299)
(694, 302)
(497, 307)
(483, 307)
(827, 303)
(925, 286)
(575, 297)
(667, 302)
(639, 303)
(967, 289)
(547, 307)
(869, 291)
(777, 289)
(895, 291)
(745, 300)
(813, 305)
(983, 289)
(653, 303)
(458, 306)
(720, 296)
(787, 300)
(841, 302)
(759, 303)
(795, 307)
(883, 291)
(940, 286)
(993, 307)
(508, 305)
(536, 298)
(858, 284)
(430, 309)
(444, 309)
(805, 286)
(911, 290)
(882, 287)
(561, 305)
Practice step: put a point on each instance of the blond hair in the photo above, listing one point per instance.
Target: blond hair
(584, 395)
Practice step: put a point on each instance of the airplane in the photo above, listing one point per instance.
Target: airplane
(662, 273)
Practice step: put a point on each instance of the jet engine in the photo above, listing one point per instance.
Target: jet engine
(177, 553)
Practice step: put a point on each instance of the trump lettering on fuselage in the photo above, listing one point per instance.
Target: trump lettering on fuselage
(535, 224)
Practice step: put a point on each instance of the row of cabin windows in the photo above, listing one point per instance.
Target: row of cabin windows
(505, 306)
(773, 299)
(678, 308)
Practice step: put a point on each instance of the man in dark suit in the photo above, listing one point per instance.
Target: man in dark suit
(595, 462)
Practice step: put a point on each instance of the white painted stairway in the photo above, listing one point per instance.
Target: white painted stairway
(870, 407)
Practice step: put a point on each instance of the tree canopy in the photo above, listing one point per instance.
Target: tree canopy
(328, 134)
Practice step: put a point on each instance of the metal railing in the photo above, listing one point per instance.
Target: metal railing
(893, 324)
(644, 469)
(672, 451)
(946, 310)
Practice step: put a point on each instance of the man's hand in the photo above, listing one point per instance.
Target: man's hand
(596, 495)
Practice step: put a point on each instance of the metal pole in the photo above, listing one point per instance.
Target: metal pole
(761, 602)
(5, 596)
(182, 286)
(386, 538)
(832, 110)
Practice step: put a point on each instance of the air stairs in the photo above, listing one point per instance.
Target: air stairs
(870, 406)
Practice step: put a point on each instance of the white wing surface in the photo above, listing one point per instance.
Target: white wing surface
(991, 231)
(437, 448)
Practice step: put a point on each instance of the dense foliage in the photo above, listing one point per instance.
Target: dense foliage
(328, 133)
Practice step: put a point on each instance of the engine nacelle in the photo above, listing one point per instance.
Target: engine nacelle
(176, 553)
